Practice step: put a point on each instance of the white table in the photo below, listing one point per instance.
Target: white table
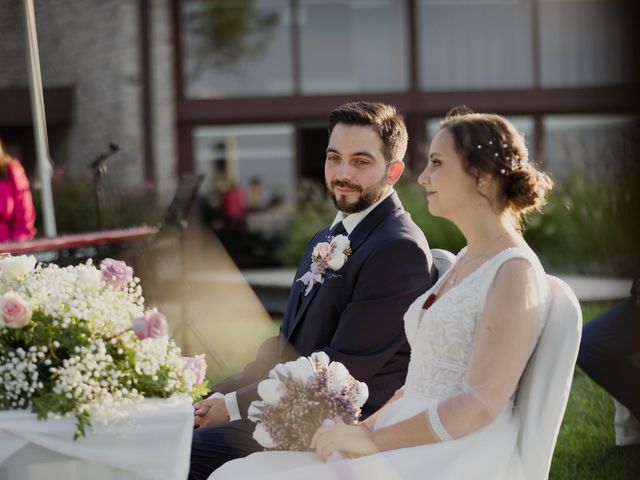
(156, 444)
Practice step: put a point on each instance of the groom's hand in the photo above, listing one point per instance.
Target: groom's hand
(210, 411)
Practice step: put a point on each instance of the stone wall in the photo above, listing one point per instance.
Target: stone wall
(94, 46)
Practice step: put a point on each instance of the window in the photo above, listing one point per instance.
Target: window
(595, 143)
(475, 44)
(353, 46)
(584, 43)
(236, 48)
(242, 153)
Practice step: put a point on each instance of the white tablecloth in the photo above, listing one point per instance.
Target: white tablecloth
(156, 444)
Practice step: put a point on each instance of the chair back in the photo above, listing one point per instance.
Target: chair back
(546, 382)
(442, 260)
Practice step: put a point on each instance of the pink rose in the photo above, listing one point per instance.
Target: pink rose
(321, 250)
(115, 273)
(152, 324)
(197, 365)
(15, 312)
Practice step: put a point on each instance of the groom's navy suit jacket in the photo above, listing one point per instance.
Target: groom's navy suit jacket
(356, 315)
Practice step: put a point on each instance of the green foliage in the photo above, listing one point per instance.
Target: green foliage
(586, 443)
(75, 207)
(315, 211)
(589, 226)
(440, 233)
(231, 31)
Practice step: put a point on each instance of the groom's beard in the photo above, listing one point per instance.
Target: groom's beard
(368, 196)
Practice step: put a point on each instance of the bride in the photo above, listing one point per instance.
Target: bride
(471, 334)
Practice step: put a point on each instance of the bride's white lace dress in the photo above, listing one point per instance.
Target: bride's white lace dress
(453, 369)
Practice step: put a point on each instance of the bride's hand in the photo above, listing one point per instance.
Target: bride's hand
(354, 440)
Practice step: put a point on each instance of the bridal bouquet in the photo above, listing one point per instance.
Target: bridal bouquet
(298, 396)
(78, 341)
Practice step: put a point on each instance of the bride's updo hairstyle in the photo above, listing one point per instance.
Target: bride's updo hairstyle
(490, 144)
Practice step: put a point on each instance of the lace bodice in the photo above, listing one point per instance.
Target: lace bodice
(442, 336)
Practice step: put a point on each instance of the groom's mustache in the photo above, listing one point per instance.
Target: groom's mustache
(343, 184)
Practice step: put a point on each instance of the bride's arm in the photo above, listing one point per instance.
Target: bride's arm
(504, 338)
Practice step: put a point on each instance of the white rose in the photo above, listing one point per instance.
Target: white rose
(270, 391)
(255, 410)
(340, 243)
(261, 436)
(320, 357)
(338, 376)
(336, 261)
(363, 394)
(301, 369)
(16, 267)
(279, 372)
(321, 250)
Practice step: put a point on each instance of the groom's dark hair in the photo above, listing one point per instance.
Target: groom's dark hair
(387, 122)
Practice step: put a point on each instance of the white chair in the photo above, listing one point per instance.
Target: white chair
(545, 385)
(442, 260)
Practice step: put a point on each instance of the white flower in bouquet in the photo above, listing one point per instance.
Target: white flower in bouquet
(298, 396)
(15, 267)
(77, 341)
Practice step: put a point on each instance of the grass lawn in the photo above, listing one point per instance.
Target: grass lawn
(586, 448)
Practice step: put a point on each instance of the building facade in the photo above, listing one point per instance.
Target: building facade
(241, 89)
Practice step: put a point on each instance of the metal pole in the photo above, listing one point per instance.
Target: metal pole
(39, 121)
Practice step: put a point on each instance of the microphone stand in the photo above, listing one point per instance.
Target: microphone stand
(99, 167)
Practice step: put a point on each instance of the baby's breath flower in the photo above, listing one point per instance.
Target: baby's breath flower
(87, 323)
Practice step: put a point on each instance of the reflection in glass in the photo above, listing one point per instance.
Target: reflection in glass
(236, 48)
(353, 46)
(594, 143)
(584, 42)
(241, 154)
(475, 44)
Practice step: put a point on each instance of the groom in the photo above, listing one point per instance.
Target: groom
(355, 314)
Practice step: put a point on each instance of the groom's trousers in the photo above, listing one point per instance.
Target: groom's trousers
(211, 447)
(610, 353)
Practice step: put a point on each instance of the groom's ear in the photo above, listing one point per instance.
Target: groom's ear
(394, 171)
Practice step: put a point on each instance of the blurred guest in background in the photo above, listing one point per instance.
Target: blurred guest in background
(17, 214)
(233, 207)
(610, 355)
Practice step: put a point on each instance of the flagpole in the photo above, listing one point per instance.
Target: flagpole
(39, 121)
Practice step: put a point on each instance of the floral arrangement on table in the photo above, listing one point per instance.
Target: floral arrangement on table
(331, 255)
(77, 341)
(299, 396)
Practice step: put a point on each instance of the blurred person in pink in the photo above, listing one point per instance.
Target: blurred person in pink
(17, 214)
(233, 207)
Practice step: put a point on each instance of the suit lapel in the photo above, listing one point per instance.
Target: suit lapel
(356, 238)
(372, 220)
(300, 300)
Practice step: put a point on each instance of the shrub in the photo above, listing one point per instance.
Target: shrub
(74, 204)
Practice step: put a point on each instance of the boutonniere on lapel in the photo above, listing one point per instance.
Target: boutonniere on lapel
(330, 255)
